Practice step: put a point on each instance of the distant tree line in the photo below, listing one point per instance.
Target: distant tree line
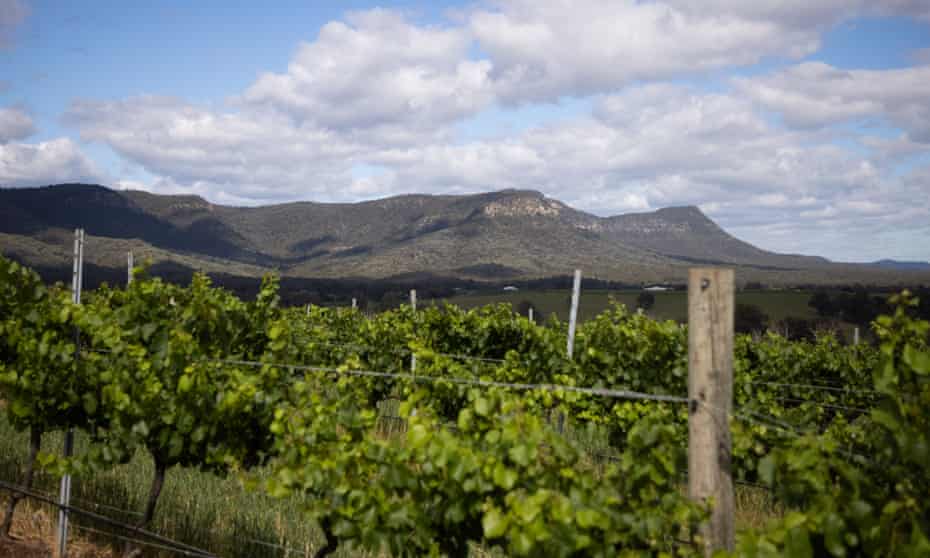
(860, 306)
(750, 318)
(857, 305)
(854, 305)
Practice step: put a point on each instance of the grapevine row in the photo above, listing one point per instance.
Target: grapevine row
(154, 367)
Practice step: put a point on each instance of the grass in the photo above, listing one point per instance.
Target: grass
(198, 508)
(219, 515)
(669, 305)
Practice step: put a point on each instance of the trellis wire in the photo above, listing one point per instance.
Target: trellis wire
(98, 505)
(287, 549)
(91, 503)
(748, 416)
(814, 387)
(405, 351)
(177, 546)
(603, 392)
(139, 542)
(819, 404)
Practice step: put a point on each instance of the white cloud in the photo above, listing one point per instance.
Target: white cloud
(15, 124)
(545, 50)
(660, 145)
(48, 162)
(378, 69)
(542, 51)
(258, 156)
(815, 94)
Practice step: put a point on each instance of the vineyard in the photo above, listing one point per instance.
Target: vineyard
(293, 403)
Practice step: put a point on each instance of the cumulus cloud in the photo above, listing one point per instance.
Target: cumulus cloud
(15, 124)
(816, 94)
(544, 50)
(254, 156)
(377, 69)
(48, 162)
(652, 146)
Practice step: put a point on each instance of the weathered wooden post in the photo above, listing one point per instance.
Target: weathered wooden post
(856, 336)
(710, 390)
(529, 314)
(354, 303)
(129, 265)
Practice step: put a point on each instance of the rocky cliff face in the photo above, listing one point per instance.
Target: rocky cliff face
(524, 206)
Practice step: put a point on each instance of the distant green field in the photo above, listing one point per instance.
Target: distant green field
(669, 305)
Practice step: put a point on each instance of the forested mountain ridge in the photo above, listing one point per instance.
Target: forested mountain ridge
(487, 236)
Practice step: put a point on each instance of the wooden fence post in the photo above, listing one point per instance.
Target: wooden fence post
(710, 390)
(129, 265)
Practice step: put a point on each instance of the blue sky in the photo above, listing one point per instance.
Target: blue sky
(801, 127)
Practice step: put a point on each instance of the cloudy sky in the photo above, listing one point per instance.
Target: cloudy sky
(799, 125)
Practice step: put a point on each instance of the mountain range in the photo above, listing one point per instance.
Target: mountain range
(494, 236)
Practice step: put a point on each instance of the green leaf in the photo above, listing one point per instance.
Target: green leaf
(917, 359)
(504, 477)
(482, 407)
(90, 403)
(767, 470)
(185, 383)
(589, 518)
(520, 454)
(494, 523)
(798, 544)
(418, 435)
(20, 409)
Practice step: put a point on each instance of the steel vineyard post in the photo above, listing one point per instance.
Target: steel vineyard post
(572, 325)
(64, 497)
(413, 305)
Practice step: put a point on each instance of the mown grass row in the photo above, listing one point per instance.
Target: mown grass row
(221, 516)
(198, 508)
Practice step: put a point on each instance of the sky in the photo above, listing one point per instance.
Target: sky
(801, 126)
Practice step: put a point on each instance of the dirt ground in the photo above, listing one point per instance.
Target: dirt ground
(34, 536)
(23, 549)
